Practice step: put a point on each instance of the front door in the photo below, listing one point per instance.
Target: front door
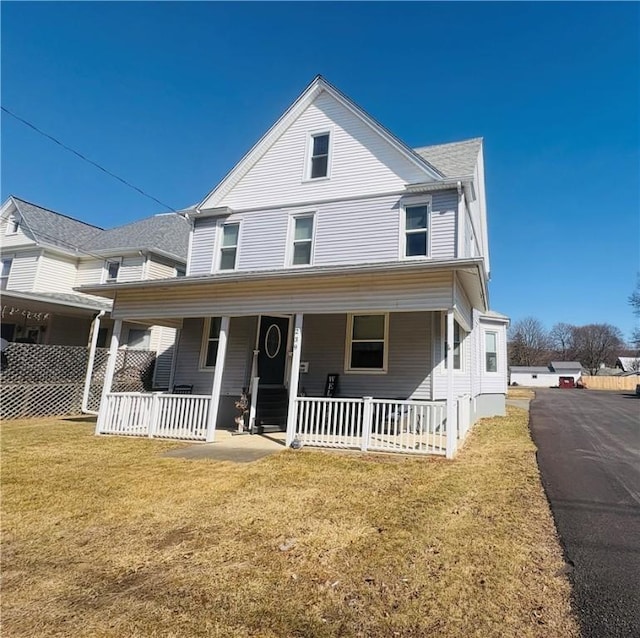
(272, 344)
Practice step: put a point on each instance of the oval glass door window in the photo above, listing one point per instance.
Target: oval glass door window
(272, 341)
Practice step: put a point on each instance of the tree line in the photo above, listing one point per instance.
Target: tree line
(530, 344)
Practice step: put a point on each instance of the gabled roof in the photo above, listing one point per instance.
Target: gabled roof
(49, 227)
(317, 85)
(629, 364)
(531, 369)
(167, 234)
(455, 159)
(559, 366)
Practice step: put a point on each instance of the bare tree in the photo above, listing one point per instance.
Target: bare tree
(634, 301)
(597, 343)
(562, 342)
(528, 343)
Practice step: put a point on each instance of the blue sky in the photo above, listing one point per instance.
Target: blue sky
(171, 95)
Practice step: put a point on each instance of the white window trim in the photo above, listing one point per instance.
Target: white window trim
(105, 270)
(409, 202)
(218, 244)
(291, 228)
(484, 350)
(204, 346)
(12, 220)
(306, 171)
(5, 278)
(463, 346)
(348, 340)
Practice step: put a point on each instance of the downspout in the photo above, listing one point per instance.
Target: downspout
(92, 356)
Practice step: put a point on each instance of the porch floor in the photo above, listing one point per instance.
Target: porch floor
(243, 448)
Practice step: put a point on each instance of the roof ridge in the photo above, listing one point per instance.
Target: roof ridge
(464, 141)
(55, 212)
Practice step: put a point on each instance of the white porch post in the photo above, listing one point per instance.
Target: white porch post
(95, 329)
(110, 371)
(295, 378)
(452, 433)
(214, 404)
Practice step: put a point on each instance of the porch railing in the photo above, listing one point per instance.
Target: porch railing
(380, 425)
(170, 416)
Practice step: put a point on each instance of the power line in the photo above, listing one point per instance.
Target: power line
(86, 159)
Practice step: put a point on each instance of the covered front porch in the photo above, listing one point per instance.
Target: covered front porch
(355, 370)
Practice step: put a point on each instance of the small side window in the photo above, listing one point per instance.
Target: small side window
(301, 250)
(7, 262)
(491, 351)
(229, 246)
(111, 270)
(13, 226)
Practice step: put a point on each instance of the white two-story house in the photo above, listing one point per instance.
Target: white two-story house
(45, 255)
(341, 278)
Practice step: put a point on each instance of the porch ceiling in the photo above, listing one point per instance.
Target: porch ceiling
(394, 287)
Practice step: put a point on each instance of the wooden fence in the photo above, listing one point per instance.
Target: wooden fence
(611, 383)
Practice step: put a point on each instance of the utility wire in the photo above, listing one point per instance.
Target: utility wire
(86, 159)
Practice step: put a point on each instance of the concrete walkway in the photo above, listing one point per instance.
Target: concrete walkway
(244, 448)
(519, 403)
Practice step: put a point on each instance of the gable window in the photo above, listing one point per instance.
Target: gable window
(319, 162)
(367, 343)
(13, 226)
(229, 246)
(491, 351)
(302, 240)
(416, 230)
(111, 270)
(5, 272)
(458, 337)
(210, 339)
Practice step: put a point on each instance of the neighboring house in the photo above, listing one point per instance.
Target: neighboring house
(333, 263)
(628, 364)
(545, 376)
(45, 255)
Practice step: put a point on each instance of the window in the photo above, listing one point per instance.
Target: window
(229, 246)
(210, 337)
(416, 219)
(302, 240)
(181, 271)
(139, 339)
(367, 337)
(458, 338)
(13, 226)
(111, 270)
(534, 376)
(491, 351)
(319, 165)
(4, 273)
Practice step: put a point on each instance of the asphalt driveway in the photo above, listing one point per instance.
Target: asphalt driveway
(589, 456)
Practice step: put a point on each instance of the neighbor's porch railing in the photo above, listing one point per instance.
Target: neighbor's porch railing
(380, 425)
(169, 416)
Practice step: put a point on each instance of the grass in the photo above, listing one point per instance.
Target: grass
(105, 537)
(520, 393)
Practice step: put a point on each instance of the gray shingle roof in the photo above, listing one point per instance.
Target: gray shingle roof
(456, 159)
(62, 298)
(531, 369)
(49, 227)
(566, 365)
(168, 233)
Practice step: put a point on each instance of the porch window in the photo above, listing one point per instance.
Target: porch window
(367, 343)
(302, 240)
(111, 270)
(229, 246)
(4, 273)
(139, 339)
(416, 230)
(458, 338)
(319, 161)
(210, 338)
(491, 351)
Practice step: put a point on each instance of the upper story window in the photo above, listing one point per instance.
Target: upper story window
(491, 351)
(319, 156)
(4, 273)
(210, 339)
(111, 270)
(458, 337)
(13, 226)
(229, 246)
(416, 230)
(302, 248)
(367, 343)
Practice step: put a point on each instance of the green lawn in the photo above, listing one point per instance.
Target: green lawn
(105, 537)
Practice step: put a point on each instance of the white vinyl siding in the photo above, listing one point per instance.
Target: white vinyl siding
(264, 240)
(56, 274)
(12, 240)
(444, 211)
(89, 272)
(156, 269)
(361, 161)
(23, 271)
(202, 246)
(131, 269)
